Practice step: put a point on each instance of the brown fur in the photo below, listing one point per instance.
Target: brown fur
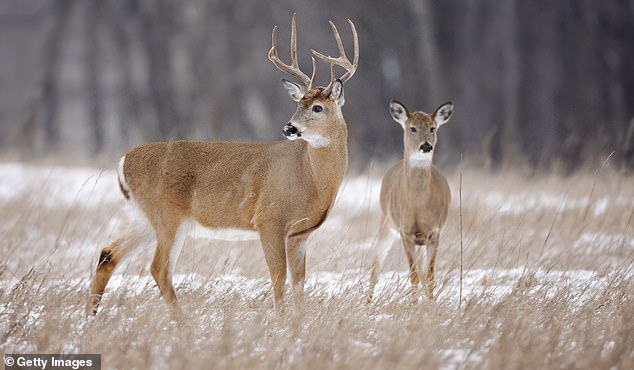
(108, 259)
(283, 191)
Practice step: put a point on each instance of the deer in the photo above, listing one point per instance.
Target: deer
(414, 197)
(276, 192)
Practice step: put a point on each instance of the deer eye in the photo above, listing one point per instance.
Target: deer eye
(432, 129)
(317, 108)
(412, 129)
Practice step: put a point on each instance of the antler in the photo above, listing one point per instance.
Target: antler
(342, 60)
(293, 68)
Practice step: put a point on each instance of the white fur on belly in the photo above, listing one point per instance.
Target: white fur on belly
(229, 234)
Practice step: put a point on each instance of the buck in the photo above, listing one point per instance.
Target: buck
(278, 192)
(414, 196)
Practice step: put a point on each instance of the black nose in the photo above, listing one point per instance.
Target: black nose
(426, 147)
(289, 130)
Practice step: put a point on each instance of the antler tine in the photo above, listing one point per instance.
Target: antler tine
(355, 42)
(342, 60)
(312, 76)
(294, 42)
(293, 68)
(332, 79)
(342, 51)
(332, 73)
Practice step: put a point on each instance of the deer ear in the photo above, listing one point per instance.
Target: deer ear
(399, 112)
(443, 113)
(295, 91)
(336, 93)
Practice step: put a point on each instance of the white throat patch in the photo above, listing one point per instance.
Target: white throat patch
(419, 159)
(316, 140)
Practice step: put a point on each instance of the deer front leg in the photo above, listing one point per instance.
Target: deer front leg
(412, 258)
(296, 255)
(432, 250)
(274, 246)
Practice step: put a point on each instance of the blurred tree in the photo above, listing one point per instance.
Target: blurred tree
(92, 55)
(538, 84)
(43, 107)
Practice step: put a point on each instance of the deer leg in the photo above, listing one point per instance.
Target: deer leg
(274, 247)
(385, 242)
(296, 256)
(109, 259)
(432, 250)
(419, 262)
(169, 242)
(412, 260)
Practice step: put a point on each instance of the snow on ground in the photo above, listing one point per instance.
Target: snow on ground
(359, 192)
(492, 285)
(58, 186)
(39, 188)
(63, 187)
(518, 203)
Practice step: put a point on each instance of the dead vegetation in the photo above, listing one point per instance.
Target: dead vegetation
(548, 283)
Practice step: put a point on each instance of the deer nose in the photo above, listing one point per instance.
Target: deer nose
(289, 130)
(426, 147)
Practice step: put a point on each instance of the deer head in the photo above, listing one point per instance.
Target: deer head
(419, 131)
(318, 108)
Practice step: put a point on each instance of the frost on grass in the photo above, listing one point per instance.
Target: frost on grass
(547, 281)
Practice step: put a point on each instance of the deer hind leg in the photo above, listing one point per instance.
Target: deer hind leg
(169, 243)
(274, 246)
(385, 243)
(296, 256)
(109, 259)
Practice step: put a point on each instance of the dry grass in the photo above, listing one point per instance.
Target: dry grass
(548, 283)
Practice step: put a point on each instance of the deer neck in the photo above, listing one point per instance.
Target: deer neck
(416, 174)
(328, 164)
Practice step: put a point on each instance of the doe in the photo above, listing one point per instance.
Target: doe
(414, 196)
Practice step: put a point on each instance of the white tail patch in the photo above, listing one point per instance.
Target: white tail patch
(124, 186)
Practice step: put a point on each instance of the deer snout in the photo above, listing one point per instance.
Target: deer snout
(426, 147)
(290, 130)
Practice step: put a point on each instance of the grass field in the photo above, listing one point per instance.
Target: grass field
(547, 282)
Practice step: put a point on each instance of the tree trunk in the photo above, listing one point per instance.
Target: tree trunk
(428, 54)
(45, 95)
(92, 57)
